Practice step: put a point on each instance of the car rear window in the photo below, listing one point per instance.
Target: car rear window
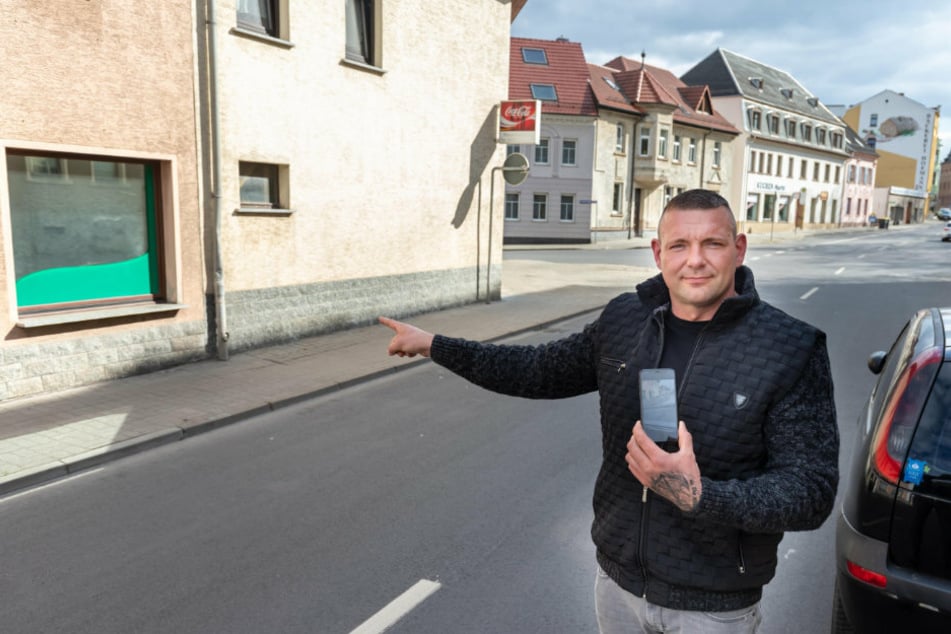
(932, 442)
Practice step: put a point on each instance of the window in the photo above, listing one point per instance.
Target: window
(762, 160)
(772, 121)
(828, 170)
(789, 172)
(512, 149)
(567, 208)
(541, 152)
(848, 206)
(618, 198)
(676, 155)
(755, 119)
(662, 143)
(753, 160)
(873, 120)
(540, 207)
(803, 169)
(779, 165)
(644, 148)
(807, 133)
(769, 202)
(791, 128)
(260, 186)
(815, 171)
(836, 140)
(619, 144)
(568, 151)
(752, 207)
(511, 206)
(769, 163)
(361, 32)
(534, 56)
(717, 153)
(85, 230)
(544, 92)
(668, 194)
(260, 16)
(838, 173)
(692, 150)
(821, 136)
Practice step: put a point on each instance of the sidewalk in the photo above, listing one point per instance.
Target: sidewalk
(50, 436)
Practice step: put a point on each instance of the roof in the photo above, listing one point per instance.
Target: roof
(643, 85)
(730, 74)
(607, 92)
(856, 145)
(566, 70)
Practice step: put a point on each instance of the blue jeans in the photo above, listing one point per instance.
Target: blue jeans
(620, 612)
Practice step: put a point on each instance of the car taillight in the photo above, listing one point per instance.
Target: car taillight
(904, 406)
(863, 574)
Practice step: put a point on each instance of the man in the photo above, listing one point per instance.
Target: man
(685, 540)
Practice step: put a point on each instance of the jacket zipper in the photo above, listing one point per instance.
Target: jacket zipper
(614, 364)
(741, 567)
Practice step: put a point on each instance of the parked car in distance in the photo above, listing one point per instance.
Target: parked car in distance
(893, 535)
(946, 232)
(944, 213)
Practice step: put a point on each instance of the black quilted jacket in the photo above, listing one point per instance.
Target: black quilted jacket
(757, 398)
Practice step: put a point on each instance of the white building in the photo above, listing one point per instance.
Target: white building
(794, 154)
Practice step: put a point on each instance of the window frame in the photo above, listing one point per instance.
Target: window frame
(663, 141)
(278, 188)
(620, 138)
(162, 239)
(677, 153)
(366, 52)
(691, 151)
(644, 142)
(539, 207)
(511, 206)
(572, 149)
(567, 203)
(539, 91)
(531, 49)
(542, 153)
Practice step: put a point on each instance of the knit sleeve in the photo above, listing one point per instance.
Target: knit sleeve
(796, 490)
(558, 369)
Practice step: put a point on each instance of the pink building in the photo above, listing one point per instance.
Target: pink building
(859, 186)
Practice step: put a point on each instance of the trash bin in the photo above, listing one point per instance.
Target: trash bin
(883, 223)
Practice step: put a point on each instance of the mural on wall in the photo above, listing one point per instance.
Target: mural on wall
(895, 124)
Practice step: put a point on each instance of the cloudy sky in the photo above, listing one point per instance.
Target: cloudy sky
(843, 51)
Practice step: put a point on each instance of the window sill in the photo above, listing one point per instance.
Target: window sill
(261, 37)
(263, 211)
(95, 314)
(361, 66)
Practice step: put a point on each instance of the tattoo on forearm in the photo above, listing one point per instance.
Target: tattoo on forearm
(677, 488)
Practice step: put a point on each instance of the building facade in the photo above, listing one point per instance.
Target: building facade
(281, 170)
(904, 134)
(944, 184)
(556, 202)
(793, 152)
(858, 193)
(101, 258)
(680, 143)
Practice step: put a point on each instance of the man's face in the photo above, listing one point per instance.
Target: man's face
(697, 256)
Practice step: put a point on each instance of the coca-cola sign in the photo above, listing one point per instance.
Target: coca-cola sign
(520, 121)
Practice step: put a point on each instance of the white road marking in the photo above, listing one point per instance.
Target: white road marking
(809, 294)
(754, 259)
(398, 608)
(840, 271)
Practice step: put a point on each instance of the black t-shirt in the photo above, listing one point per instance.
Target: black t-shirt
(680, 338)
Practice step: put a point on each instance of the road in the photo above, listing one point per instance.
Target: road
(471, 507)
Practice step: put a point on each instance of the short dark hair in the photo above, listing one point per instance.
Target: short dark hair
(698, 199)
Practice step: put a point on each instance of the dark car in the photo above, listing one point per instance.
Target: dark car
(893, 537)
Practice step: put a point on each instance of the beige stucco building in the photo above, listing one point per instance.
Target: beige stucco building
(217, 175)
(101, 270)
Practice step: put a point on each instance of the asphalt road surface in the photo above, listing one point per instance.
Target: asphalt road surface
(416, 501)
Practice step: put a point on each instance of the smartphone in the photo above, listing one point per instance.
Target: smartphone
(659, 403)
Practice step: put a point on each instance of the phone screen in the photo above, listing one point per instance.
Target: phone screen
(659, 403)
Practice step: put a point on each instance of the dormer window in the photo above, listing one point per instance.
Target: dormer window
(813, 101)
(791, 128)
(806, 132)
(757, 82)
(613, 84)
(772, 122)
(787, 93)
(821, 136)
(535, 56)
(544, 92)
(755, 119)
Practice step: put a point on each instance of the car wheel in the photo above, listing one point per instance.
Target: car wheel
(840, 622)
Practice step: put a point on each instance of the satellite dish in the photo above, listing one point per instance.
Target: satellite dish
(515, 168)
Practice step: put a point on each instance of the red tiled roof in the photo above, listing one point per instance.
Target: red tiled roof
(645, 85)
(566, 70)
(605, 94)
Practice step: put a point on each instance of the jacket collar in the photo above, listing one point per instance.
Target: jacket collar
(654, 293)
